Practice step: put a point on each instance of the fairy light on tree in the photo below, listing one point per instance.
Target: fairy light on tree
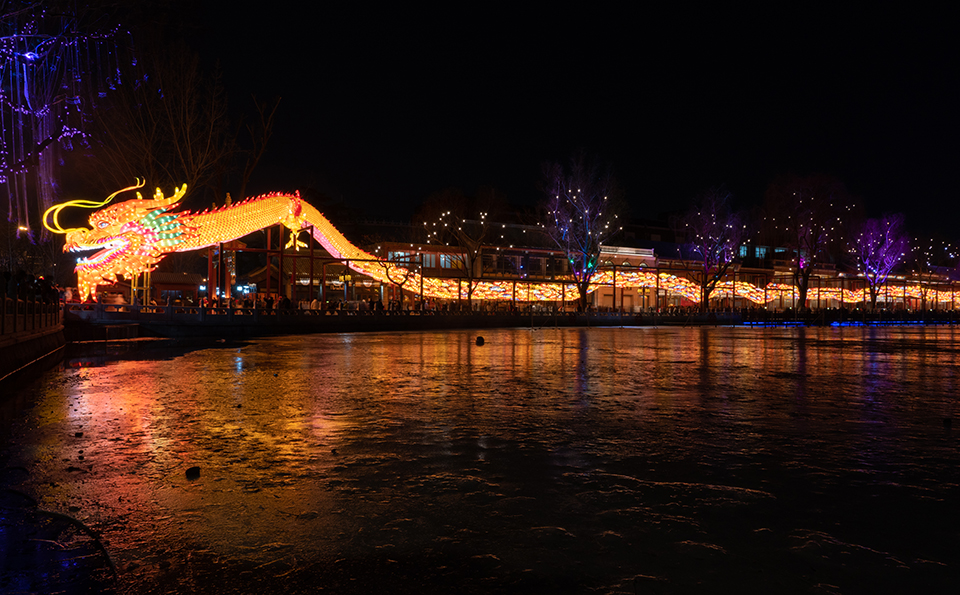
(399, 267)
(57, 63)
(581, 211)
(463, 230)
(714, 233)
(928, 260)
(806, 215)
(880, 246)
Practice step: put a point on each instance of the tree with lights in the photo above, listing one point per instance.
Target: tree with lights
(581, 211)
(806, 216)
(398, 266)
(59, 60)
(463, 228)
(928, 259)
(880, 246)
(714, 233)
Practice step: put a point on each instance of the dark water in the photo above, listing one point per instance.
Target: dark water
(553, 461)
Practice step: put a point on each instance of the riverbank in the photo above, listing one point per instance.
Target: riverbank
(98, 321)
(87, 322)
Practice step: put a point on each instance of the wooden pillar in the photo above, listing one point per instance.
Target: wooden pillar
(220, 275)
(311, 263)
(615, 290)
(269, 246)
(656, 298)
(765, 285)
(209, 271)
(280, 268)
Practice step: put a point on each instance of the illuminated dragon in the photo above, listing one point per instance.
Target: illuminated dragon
(133, 236)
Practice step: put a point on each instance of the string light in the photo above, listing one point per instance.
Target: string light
(52, 73)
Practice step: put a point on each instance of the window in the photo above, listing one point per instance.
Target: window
(535, 266)
(509, 265)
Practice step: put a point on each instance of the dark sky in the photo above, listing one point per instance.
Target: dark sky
(383, 107)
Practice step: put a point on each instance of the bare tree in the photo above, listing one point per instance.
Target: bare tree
(805, 215)
(929, 258)
(581, 211)
(880, 246)
(168, 125)
(714, 234)
(463, 228)
(398, 266)
(260, 131)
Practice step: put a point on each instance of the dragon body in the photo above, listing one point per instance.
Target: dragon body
(133, 236)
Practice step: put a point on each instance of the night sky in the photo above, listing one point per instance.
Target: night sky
(381, 108)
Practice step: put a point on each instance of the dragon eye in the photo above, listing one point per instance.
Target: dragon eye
(102, 224)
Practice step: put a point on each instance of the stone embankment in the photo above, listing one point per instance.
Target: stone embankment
(101, 321)
(30, 332)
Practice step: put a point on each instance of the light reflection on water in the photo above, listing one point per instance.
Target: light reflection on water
(554, 460)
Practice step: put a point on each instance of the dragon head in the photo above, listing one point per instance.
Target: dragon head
(130, 237)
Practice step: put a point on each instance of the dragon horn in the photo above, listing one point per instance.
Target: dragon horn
(86, 204)
(159, 200)
(177, 195)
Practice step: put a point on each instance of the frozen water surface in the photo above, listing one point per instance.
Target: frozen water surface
(638, 460)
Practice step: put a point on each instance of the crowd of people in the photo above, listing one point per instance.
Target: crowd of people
(27, 287)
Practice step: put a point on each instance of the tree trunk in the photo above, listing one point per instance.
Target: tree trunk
(873, 296)
(801, 279)
(583, 289)
(470, 289)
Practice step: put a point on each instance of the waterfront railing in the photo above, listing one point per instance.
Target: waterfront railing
(24, 316)
(317, 320)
